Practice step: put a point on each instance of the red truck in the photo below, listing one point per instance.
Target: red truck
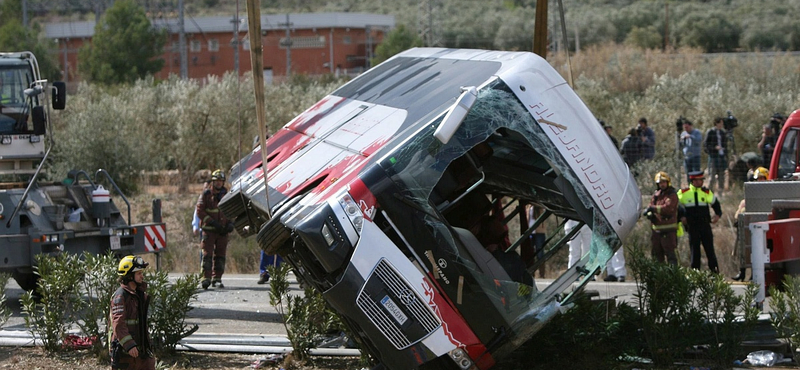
(771, 225)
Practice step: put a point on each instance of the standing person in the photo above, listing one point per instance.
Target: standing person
(760, 174)
(631, 148)
(697, 200)
(129, 340)
(648, 139)
(691, 140)
(767, 144)
(266, 261)
(611, 136)
(615, 268)
(716, 145)
(663, 213)
(579, 244)
(215, 231)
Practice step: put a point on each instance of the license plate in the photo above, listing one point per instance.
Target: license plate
(115, 243)
(395, 311)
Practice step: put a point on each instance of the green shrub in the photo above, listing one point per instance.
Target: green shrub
(785, 316)
(75, 292)
(600, 331)
(5, 311)
(58, 287)
(169, 304)
(681, 308)
(97, 287)
(306, 318)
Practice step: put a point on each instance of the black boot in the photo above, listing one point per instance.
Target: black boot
(740, 277)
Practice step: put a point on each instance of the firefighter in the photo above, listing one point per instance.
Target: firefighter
(759, 174)
(215, 231)
(697, 200)
(663, 213)
(129, 342)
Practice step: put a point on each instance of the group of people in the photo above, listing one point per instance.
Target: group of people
(671, 211)
(639, 144)
(716, 143)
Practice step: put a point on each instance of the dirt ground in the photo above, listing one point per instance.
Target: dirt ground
(35, 358)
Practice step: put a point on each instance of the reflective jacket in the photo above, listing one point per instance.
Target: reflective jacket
(129, 318)
(697, 202)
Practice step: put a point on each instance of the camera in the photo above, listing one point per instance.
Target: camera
(776, 121)
(679, 123)
(730, 122)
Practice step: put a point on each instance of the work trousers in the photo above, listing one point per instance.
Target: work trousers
(215, 246)
(616, 265)
(700, 232)
(580, 244)
(716, 173)
(664, 243)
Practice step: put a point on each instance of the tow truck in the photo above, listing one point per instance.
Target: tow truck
(75, 215)
(769, 230)
(393, 196)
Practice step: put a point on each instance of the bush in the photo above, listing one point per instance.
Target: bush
(52, 316)
(77, 292)
(5, 311)
(600, 331)
(682, 308)
(306, 318)
(169, 304)
(97, 286)
(785, 316)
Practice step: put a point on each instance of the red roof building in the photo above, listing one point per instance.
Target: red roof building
(312, 43)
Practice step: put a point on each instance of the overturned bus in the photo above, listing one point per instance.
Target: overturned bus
(392, 196)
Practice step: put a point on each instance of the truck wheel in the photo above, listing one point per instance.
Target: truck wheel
(26, 280)
(273, 236)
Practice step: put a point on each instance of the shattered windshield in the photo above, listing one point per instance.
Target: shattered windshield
(420, 167)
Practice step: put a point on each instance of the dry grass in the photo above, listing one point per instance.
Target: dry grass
(183, 248)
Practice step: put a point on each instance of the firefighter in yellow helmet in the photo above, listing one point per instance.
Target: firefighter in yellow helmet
(663, 214)
(216, 228)
(759, 174)
(129, 342)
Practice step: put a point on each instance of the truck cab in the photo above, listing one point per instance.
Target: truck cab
(786, 158)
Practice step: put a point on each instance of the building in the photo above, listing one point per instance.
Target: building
(308, 43)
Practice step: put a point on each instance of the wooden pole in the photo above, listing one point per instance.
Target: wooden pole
(257, 63)
(540, 29)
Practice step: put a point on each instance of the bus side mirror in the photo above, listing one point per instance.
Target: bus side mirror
(453, 119)
(39, 122)
(59, 95)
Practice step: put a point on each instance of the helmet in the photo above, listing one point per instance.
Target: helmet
(662, 176)
(129, 264)
(218, 175)
(761, 171)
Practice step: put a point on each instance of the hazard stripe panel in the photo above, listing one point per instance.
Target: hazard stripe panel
(155, 237)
